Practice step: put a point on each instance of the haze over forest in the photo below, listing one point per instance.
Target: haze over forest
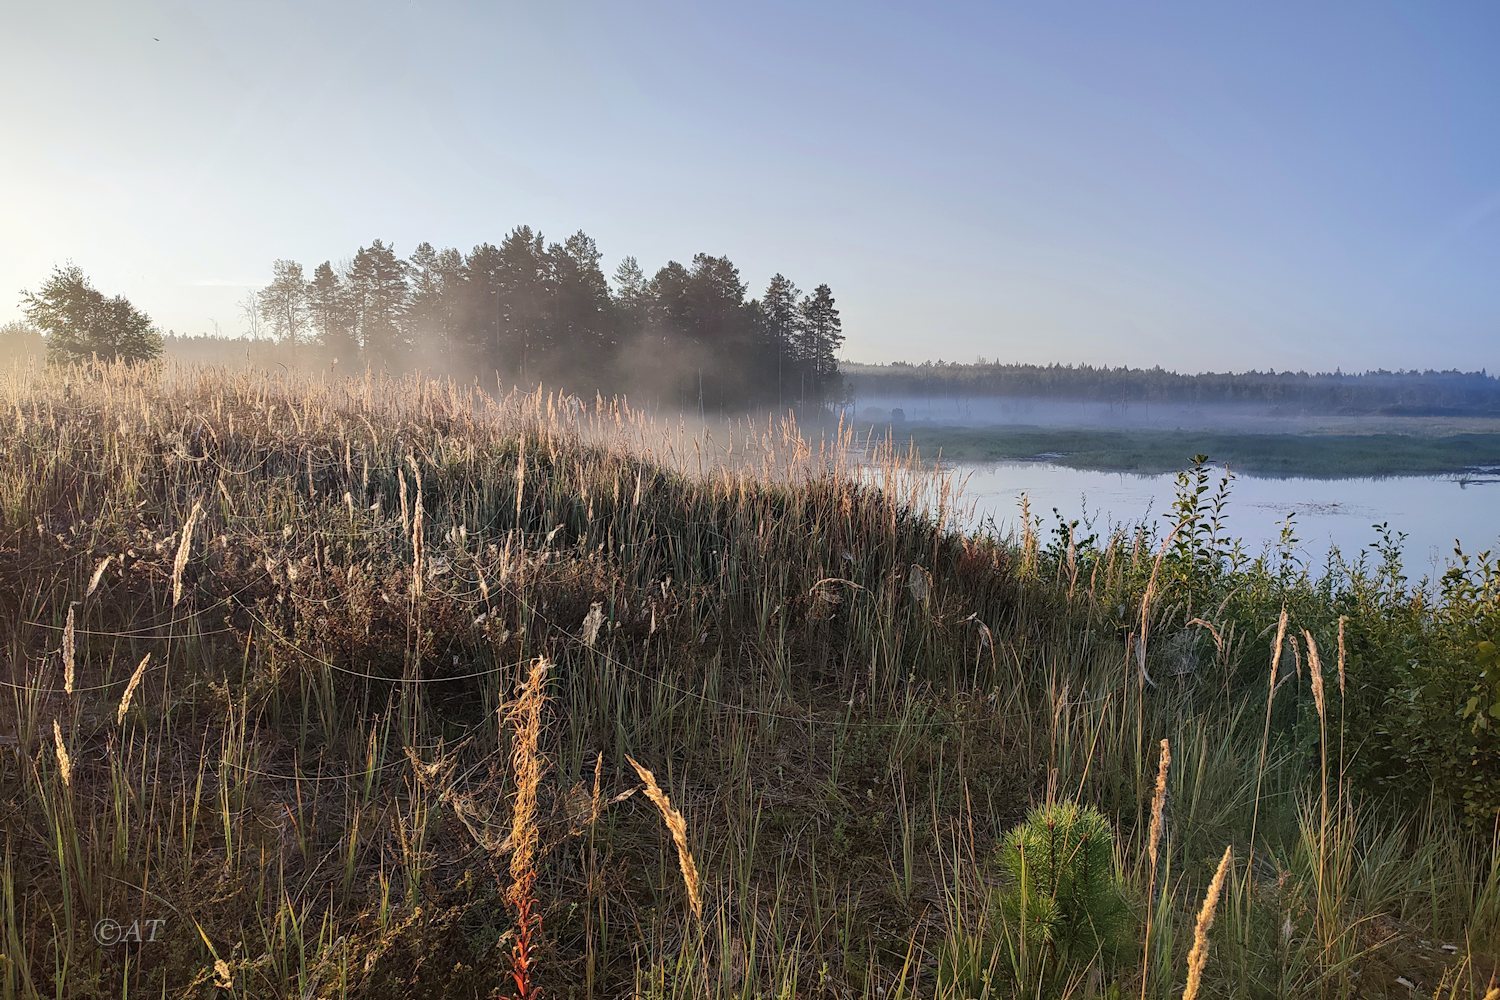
(1200, 188)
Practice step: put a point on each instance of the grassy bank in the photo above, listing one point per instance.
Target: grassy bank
(1155, 452)
(382, 688)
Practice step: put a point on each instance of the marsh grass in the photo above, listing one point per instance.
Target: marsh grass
(1429, 450)
(296, 609)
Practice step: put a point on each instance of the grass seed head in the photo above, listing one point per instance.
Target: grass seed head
(135, 682)
(68, 652)
(1315, 675)
(1281, 624)
(528, 764)
(1158, 806)
(1198, 956)
(677, 826)
(64, 762)
(98, 575)
(184, 549)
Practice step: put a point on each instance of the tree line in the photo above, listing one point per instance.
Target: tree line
(539, 311)
(524, 310)
(1380, 391)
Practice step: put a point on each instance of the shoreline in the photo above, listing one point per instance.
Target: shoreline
(1474, 456)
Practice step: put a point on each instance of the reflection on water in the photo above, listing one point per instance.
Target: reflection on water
(1432, 511)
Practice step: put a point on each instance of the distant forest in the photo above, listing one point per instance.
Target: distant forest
(1417, 393)
(525, 311)
(536, 311)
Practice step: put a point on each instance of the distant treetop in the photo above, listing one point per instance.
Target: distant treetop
(80, 322)
(1417, 393)
(526, 310)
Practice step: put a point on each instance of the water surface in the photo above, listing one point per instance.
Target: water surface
(1433, 511)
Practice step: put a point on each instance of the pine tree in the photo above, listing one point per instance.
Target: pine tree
(719, 327)
(670, 311)
(820, 338)
(481, 310)
(531, 311)
(378, 296)
(330, 312)
(632, 295)
(1063, 887)
(523, 300)
(424, 320)
(580, 314)
(781, 322)
(452, 277)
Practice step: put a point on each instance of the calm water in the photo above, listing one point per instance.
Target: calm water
(1433, 511)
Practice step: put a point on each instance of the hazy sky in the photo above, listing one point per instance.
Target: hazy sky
(1196, 185)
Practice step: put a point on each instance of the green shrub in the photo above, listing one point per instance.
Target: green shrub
(1414, 709)
(1428, 679)
(1063, 888)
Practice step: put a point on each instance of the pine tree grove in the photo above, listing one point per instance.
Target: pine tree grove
(527, 311)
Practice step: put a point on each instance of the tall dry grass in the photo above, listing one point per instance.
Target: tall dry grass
(293, 603)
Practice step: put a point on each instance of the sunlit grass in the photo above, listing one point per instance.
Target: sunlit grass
(310, 732)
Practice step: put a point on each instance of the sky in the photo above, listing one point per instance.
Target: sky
(1200, 186)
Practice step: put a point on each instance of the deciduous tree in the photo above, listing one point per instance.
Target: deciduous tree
(283, 303)
(81, 322)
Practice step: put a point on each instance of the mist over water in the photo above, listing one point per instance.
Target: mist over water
(1038, 411)
(981, 411)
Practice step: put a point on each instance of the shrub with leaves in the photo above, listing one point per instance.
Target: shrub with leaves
(1063, 888)
(1419, 686)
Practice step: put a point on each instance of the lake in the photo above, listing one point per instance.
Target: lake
(1433, 511)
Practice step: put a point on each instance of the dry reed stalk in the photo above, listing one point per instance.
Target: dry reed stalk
(1028, 537)
(1281, 624)
(1158, 806)
(64, 762)
(135, 682)
(596, 800)
(592, 622)
(1198, 956)
(418, 549)
(98, 575)
(1315, 675)
(520, 478)
(1343, 620)
(1153, 840)
(1265, 738)
(405, 508)
(1146, 598)
(67, 652)
(527, 762)
(678, 828)
(1213, 631)
(184, 549)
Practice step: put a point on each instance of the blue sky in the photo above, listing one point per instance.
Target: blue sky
(1203, 186)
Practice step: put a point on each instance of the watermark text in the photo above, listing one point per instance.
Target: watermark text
(109, 932)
